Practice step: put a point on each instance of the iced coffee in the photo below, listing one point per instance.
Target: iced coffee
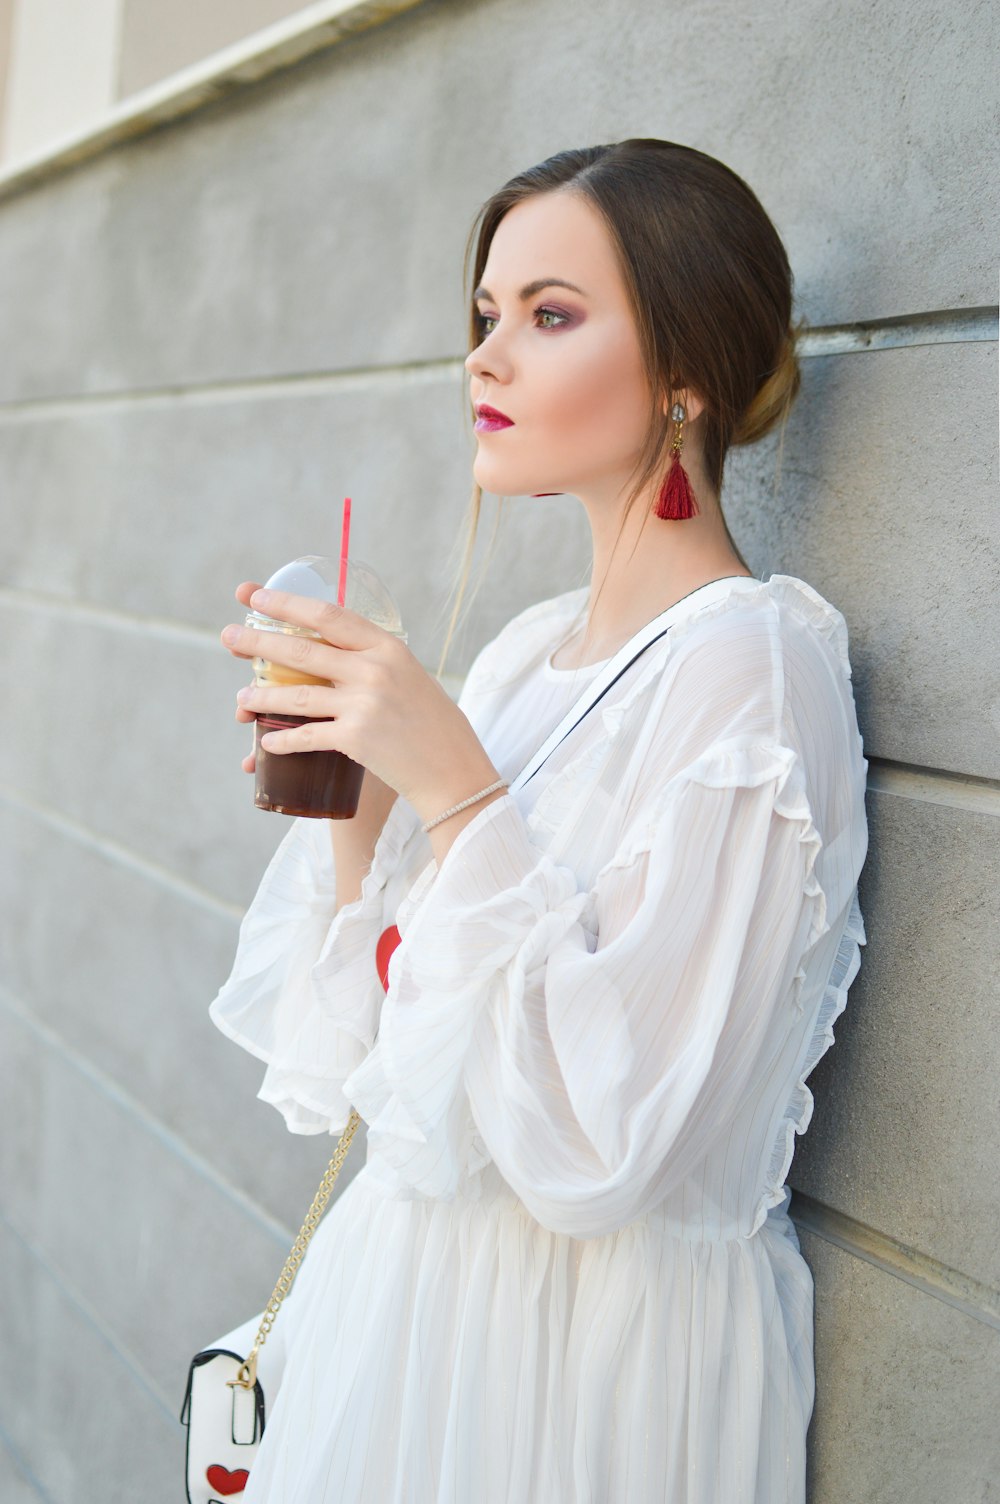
(323, 784)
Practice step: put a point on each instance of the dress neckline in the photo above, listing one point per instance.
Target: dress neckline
(589, 669)
(583, 669)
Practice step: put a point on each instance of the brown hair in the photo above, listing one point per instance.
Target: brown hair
(709, 284)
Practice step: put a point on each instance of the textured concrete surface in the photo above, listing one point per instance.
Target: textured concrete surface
(905, 1134)
(887, 505)
(123, 971)
(176, 1263)
(74, 1404)
(144, 749)
(264, 250)
(905, 1393)
(15, 1485)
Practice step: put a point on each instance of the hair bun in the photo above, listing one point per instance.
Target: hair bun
(774, 397)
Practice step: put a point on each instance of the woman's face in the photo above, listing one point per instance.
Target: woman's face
(562, 363)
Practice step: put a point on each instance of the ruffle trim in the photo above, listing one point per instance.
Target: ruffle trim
(799, 1111)
(748, 764)
(739, 764)
(303, 994)
(782, 590)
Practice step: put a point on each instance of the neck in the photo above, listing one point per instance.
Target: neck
(649, 567)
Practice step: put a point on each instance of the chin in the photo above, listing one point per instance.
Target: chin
(493, 479)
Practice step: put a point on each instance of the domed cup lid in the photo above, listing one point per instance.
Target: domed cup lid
(319, 577)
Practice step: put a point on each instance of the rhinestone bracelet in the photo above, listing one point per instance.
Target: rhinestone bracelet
(501, 783)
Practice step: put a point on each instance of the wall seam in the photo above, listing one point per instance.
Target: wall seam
(906, 331)
(22, 1467)
(109, 1090)
(159, 628)
(122, 856)
(934, 786)
(91, 1318)
(967, 1294)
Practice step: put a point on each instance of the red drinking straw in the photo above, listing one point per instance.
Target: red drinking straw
(344, 539)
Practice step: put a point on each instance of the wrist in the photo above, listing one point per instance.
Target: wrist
(496, 788)
(468, 783)
(444, 835)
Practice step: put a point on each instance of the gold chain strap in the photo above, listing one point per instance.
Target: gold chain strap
(247, 1375)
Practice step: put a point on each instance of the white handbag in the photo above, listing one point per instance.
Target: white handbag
(225, 1403)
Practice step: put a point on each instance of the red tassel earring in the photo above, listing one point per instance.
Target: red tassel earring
(676, 502)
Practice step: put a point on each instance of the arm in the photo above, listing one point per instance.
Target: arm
(353, 841)
(600, 1038)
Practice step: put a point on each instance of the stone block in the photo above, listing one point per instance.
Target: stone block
(905, 1134)
(137, 743)
(15, 1485)
(123, 970)
(81, 1418)
(164, 1257)
(886, 504)
(237, 243)
(905, 1390)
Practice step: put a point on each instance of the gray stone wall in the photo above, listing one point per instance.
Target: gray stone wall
(214, 332)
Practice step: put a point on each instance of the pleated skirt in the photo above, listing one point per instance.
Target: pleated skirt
(460, 1353)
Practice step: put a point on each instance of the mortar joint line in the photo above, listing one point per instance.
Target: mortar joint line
(23, 1467)
(894, 331)
(952, 1286)
(131, 1108)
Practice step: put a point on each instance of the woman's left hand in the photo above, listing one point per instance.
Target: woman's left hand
(381, 707)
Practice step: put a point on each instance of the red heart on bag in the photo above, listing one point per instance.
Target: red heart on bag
(387, 942)
(225, 1482)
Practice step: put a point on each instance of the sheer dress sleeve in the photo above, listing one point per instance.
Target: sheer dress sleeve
(303, 994)
(597, 1039)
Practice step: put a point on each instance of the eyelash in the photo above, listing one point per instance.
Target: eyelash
(482, 319)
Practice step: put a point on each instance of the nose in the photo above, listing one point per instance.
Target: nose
(488, 360)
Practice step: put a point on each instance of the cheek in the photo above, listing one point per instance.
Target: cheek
(597, 401)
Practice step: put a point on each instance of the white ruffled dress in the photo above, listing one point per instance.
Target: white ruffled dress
(566, 1273)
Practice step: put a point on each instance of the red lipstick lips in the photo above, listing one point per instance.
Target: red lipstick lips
(490, 419)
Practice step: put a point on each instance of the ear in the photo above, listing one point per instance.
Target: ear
(693, 405)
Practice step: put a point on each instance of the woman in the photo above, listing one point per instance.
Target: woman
(566, 1271)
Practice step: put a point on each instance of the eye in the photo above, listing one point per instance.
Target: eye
(485, 323)
(542, 314)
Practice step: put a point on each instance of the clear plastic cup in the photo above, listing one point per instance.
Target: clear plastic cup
(323, 784)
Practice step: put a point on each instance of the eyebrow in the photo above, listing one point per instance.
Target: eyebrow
(530, 289)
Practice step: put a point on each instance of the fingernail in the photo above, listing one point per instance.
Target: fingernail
(243, 695)
(260, 597)
(230, 635)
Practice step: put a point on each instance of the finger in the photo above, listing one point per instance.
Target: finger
(249, 763)
(308, 654)
(314, 736)
(317, 700)
(245, 591)
(230, 638)
(336, 624)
